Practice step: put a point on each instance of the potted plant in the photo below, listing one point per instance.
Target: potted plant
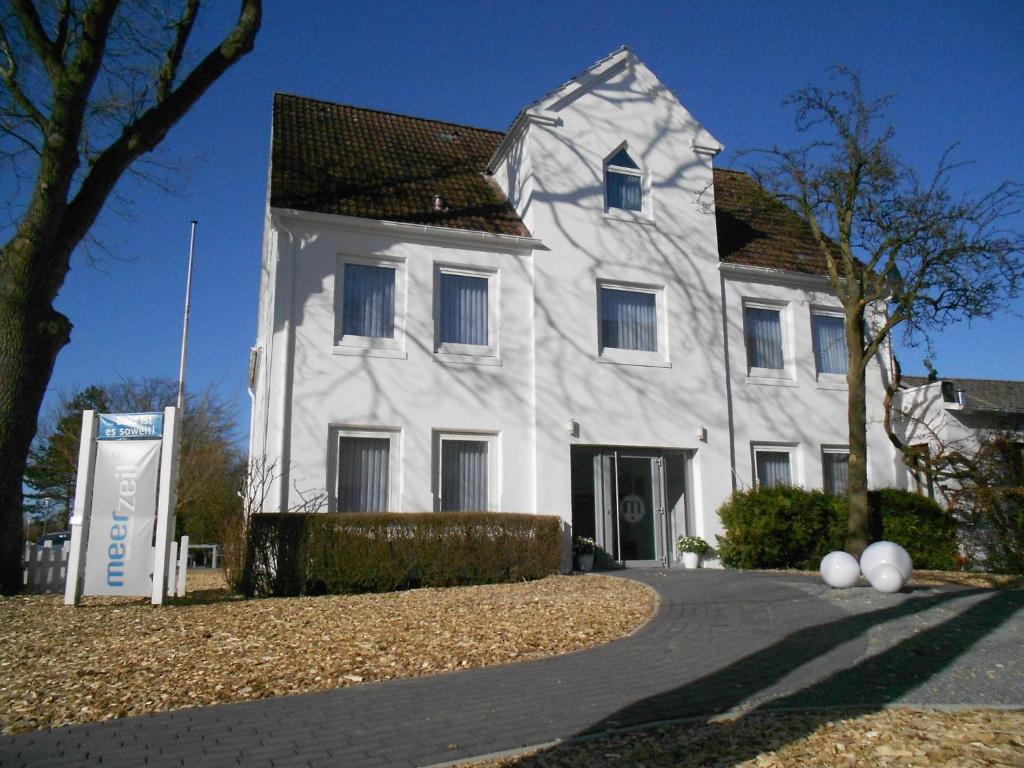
(583, 547)
(692, 549)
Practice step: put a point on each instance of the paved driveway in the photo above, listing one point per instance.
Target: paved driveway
(720, 641)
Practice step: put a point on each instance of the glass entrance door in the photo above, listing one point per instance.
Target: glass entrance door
(629, 502)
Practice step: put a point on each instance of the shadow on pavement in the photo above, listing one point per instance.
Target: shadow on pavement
(868, 686)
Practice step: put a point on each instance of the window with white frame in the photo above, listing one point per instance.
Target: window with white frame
(632, 325)
(624, 183)
(828, 336)
(369, 305)
(763, 333)
(773, 465)
(363, 470)
(465, 311)
(467, 467)
(835, 470)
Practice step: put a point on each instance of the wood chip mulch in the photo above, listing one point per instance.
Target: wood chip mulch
(894, 737)
(112, 658)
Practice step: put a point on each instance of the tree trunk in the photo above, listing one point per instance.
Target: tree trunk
(857, 489)
(32, 332)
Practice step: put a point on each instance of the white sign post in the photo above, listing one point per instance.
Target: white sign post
(125, 463)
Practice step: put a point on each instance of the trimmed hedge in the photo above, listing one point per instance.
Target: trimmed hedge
(783, 527)
(302, 554)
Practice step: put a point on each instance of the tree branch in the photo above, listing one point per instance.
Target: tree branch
(183, 28)
(37, 37)
(144, 133)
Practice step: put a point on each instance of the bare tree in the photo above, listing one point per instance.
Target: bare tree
(900, 250)
(89, 87)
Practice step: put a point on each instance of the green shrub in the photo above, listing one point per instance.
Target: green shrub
(785, 527)
(916, 523)
(780, 527)
(293, 554)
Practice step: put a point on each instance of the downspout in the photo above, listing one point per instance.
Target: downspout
(728, 386)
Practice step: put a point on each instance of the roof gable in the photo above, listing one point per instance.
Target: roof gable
(548, 107)
(351, 161)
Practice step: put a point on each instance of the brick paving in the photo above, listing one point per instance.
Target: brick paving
(720, 641)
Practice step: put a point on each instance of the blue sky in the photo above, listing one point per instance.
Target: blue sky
(956, 69)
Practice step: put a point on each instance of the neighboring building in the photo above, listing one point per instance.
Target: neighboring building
(939, 418)
(580, 317)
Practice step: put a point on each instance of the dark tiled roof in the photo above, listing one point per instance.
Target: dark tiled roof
(333, 158)
(758, 230)
(985, 394)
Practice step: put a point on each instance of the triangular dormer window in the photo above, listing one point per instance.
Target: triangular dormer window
(624, 183)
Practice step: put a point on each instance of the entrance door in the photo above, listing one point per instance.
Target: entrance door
(630, 500)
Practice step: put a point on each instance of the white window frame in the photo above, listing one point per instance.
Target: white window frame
(370, 346)
(477, 354)
(394, 434)
(645, 214)
(660, 357)
(832, 450)
(758, 375)
(795, 467)
(493, 440)
(826, 380)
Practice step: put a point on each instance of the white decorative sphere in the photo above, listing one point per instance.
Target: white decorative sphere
(839, 570)
(886, 552)
(886, 577)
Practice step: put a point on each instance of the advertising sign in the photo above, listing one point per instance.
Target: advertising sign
(119, 557)
(130, 426)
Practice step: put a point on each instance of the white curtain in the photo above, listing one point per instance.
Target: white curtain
(464, 475)
(363, 467)
(836, 470)
(464, 309)
(629, 320)
(773, 468)
(369, 301)
(829, 343)
(764, 337)
(625, 191)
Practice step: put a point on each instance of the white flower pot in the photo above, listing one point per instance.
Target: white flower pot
(586, 562)
(691, 560)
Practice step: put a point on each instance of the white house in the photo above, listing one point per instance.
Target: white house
(943, 417)
(581, 317)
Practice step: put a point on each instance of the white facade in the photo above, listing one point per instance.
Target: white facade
(577, 423)
(941, 419)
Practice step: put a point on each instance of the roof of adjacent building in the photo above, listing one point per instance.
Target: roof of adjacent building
(352, 161)
(758, 230)
(985, 394)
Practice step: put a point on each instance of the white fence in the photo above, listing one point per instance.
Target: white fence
(45, 568)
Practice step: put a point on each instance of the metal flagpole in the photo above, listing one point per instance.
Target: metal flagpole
(188, 311)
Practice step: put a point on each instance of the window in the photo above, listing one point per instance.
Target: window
(762, 328)
(467, 472)
(631, 323)
(773, 465)
(465, 315)
(363, 475)
(835, 470)
(369, 307)
(828, 335)
(624, 183)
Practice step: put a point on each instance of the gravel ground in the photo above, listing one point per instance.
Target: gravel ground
(113, 657)
(896, 737)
